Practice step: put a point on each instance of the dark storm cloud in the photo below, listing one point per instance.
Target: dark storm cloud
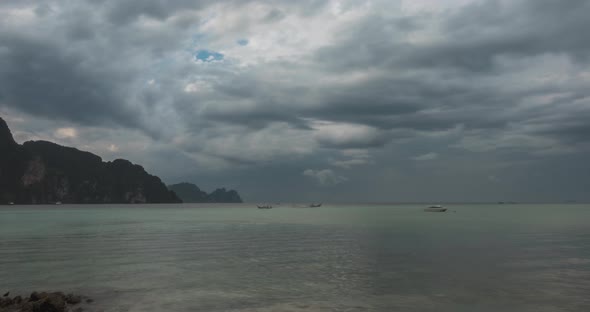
(475, 39)
(254, 118)
(122, 12)
(364, 140)
(569, 125)
(574, 131)
(529, 28)
(374, 42)
(38, 78)
(385, 103)
(317, 84)
(274, 15)
(415, 103)
(534, 28)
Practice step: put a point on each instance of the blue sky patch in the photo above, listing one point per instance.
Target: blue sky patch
(243, 42)
(208, 56)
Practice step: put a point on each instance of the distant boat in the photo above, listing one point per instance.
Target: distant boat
(58, 203)
(11, 203)
(315, 205)
(264, 207)
(435, 208)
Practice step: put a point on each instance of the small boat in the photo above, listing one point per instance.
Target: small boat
(315, 205)
(11, 203)
(435, 208)
(264, 207)
(58, 203)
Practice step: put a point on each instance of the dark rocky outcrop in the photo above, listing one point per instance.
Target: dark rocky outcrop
(223, 196)
(12, 164)
(40, 172)
(42, 302)
(190, 193)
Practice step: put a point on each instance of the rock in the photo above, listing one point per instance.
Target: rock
(89, 300)
(190, 193)
(34, 173)
(28, 307)
(73, 299)
(42, 302)
(54, 302)
(6, 294)
(35, 296)
(5, 302)
(222, 195)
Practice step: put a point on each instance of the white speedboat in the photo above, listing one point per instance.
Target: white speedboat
(435, 208)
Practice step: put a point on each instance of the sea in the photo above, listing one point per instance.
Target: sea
(353, 257)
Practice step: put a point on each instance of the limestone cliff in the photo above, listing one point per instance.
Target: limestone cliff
(190, 193)
(40, 172)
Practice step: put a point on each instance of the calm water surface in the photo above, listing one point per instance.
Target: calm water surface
(334, 258)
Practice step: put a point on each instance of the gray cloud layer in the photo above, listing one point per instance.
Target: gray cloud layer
(357, 94)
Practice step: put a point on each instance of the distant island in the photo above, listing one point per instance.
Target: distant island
(40, 172)
(190, 193)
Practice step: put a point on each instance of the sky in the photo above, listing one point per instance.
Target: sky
(333, 101)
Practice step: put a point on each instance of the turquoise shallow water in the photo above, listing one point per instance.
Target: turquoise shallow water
(335, 258)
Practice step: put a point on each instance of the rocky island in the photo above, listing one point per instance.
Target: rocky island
(40, 172)
(190, 193)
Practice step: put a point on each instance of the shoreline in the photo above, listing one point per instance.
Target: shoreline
(44, 302)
